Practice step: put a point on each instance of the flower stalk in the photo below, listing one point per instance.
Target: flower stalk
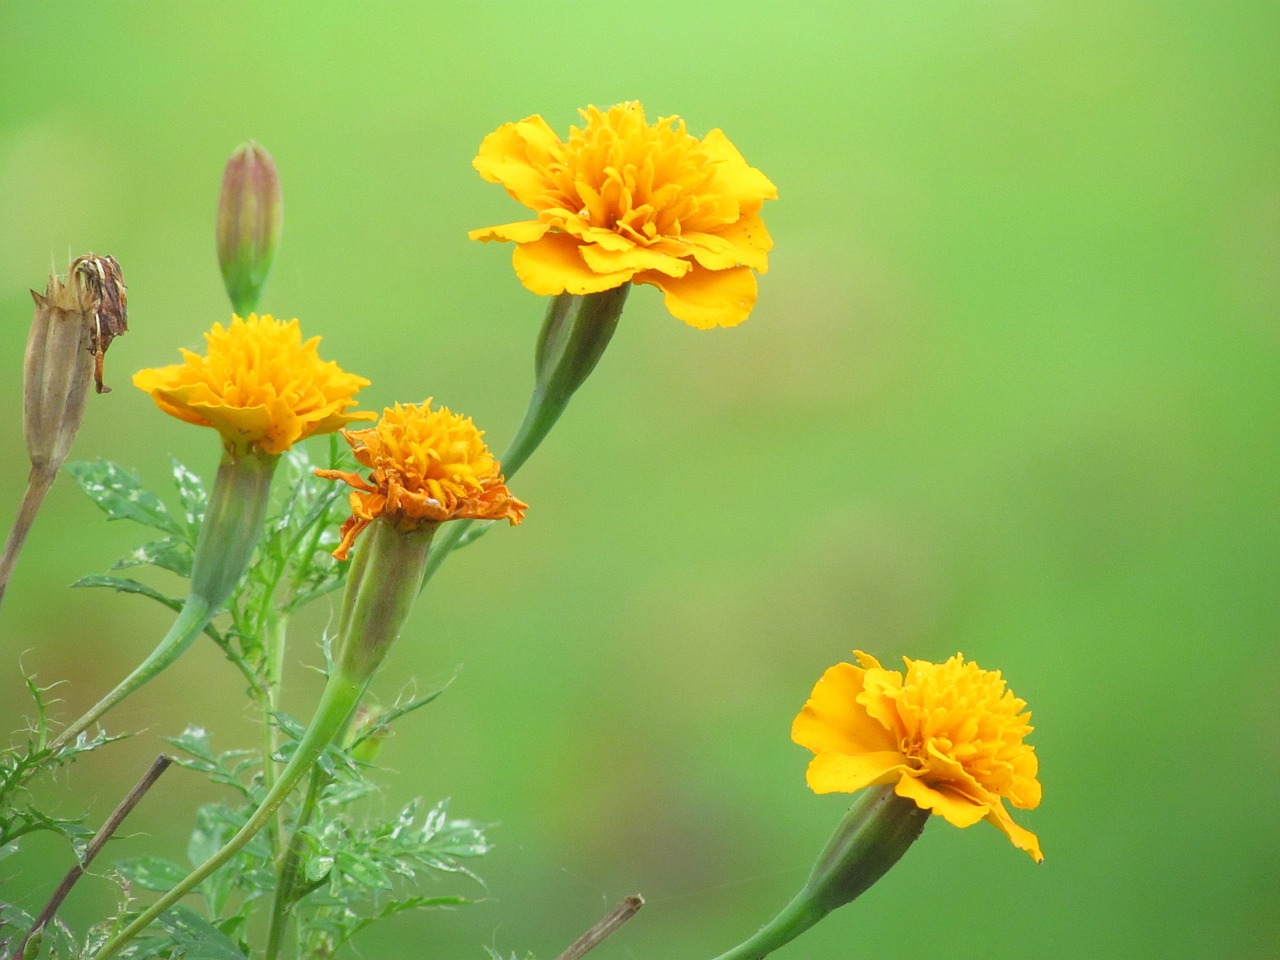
(575, 333)
(871, 838)
(232, 526)
(381, 587)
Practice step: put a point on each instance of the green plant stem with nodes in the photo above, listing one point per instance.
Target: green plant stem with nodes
(575, 333)
(232, 526)
(381, 585)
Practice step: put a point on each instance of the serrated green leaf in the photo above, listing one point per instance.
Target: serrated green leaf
(171, 553)
(192, 495)
(121, 495)
(196, 938)
(152, 873)
(128, 585)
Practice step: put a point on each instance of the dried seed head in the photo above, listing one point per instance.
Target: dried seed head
(74, 323)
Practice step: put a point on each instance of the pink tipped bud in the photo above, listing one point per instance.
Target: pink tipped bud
(250, 218)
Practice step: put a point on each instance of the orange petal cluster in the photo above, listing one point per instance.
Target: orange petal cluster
(428, 466)
(625, 201)
(949, 736)
(258, 384)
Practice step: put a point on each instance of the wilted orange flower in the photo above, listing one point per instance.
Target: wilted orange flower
(428, 466)
(948, 735)
(625, 201)
(259, 385)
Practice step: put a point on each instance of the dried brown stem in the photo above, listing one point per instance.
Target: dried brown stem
(38, 483)
(95, 845)
(606, 926)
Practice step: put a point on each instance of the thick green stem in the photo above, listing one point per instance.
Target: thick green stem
(337, 703)
(876, 831)
(232, 526)
(193, 618)
(794, 919)
(290, 864)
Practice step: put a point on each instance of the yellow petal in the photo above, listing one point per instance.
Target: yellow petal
(958, 810)
(707, 298)
(744, 243)
(749, 185)
(514, 156)
(553, 265)
(1022, 838)
(633, 258)
(522, 231)
(839, 773)
(833, 721)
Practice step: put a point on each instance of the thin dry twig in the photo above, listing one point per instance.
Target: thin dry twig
(604, 927)
(95, 845)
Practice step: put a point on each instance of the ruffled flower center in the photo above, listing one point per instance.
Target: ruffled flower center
(957, 714)
(259, 384)
(427, 466)
(639, 180)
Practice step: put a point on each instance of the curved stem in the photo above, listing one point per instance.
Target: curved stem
(193, 618)
(340, 697)
(794, 919)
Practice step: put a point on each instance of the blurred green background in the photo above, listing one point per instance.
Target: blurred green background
(1010, 389)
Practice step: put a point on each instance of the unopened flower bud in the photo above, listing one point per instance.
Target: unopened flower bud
(250, 217)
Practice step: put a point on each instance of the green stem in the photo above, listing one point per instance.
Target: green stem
(290, 864)
(794, 919)
(339, 700)
(575, 333)
(193, 618)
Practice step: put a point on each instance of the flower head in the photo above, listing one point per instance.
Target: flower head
(949, 736)
(625, 201)
(428, 466)
(259, 385)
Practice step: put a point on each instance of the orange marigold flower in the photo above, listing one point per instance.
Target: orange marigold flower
(948, 735)
(428, 466)
(259, 385)
(626, 201)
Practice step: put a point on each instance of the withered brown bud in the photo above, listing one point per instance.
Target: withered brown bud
(75, 321)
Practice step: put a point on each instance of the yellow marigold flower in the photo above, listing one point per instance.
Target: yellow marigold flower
(949, 736)
(428, 466)
(626, 201)
(259, 385)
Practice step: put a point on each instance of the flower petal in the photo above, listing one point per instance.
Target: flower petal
(743, 243)
(833, 721)
(522, 231)
(707, 298)
(1022, 838)
(840, 773)
(749, 185)
(554, 265)
(634, 258)
(515, 155)
(959, 811)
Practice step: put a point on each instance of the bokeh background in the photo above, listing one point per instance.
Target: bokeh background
(1010, 389)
